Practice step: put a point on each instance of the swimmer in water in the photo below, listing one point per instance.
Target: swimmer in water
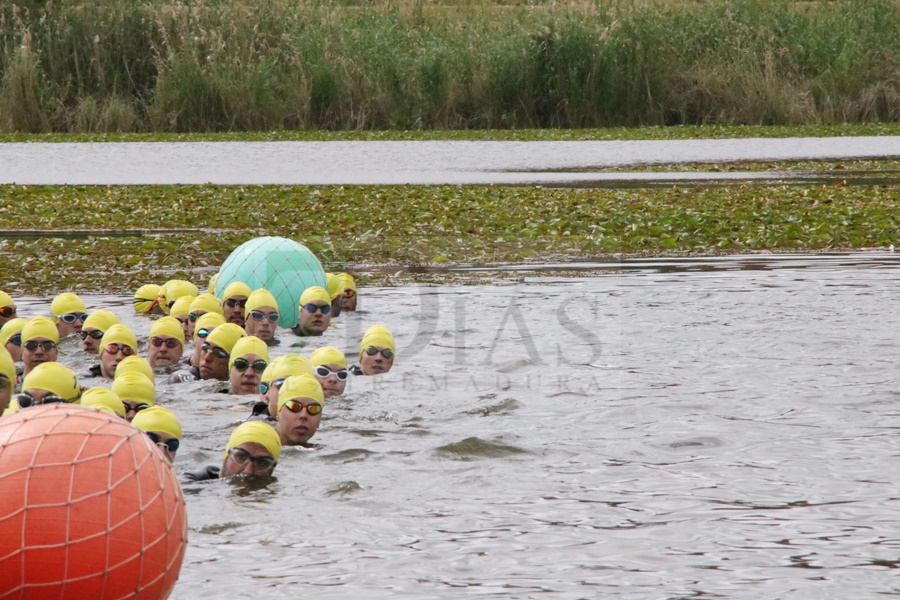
(249, 359)
(7, 378)
(104, 400)
(93, 329)
(253, 450)
(117, 343)
(376, 352)
(315, 312)
(166, 343)
(148, 300)
(7, 308)
(162, 427)
(234, 301)
(69, 314)
(11, 338)
(202, 304)
(330, 368)
(46, 383)
(137, 392)
(350, 298)
(39, 342)
(215, 353)
(261, 316)
(266, 406)
(300, 404)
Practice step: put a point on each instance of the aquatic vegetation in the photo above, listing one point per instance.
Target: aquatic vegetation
(130, 235)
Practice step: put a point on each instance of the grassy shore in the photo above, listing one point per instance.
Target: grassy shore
(285, 65)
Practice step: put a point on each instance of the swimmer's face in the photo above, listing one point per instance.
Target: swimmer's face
(336, 306)
(234, 309)
(192, 323)
(5, 393)
(246, 381)
(263, 328)
(374, 364)
(314, 323)
(91, 344)
(6, 313)
(111, 356)
(213, 362)
(39, 354)
(249, 458)
(168, 352)
(332, 385)
(349, 299)
(15, 351)
(297, 427)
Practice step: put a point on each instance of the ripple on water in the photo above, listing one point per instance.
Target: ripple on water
(474, 447)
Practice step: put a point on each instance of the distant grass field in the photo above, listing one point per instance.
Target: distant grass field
(107, 66)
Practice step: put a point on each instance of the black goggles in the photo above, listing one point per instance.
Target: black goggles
(242, 364)
(231, 303)
(387, 353)
(8, 311)
(26, 400)
(218, 352)
(170, 445)
(242, 457)
(167, 342)
(312, 308)
(95, 334)
(46, 345)
(258, 315)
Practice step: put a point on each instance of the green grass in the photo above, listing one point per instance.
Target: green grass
(349, 228)
(106, 66)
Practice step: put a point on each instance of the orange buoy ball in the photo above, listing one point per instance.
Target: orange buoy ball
(88, 508)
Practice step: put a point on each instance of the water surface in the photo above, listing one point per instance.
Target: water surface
(681, 428)
(419, 162)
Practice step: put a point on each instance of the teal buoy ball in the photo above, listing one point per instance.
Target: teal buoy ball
(282, 266)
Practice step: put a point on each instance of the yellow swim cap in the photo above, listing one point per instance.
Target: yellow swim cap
(134, 387)
(259, 298)
(207, 303)
(146, 296)
(226, 336)
(285, 366)
(300, 386)
(178, 288)
(347, 281)
(118, 334)
(334, 286)
(7, 366)
(377, 335)
(55, 378)
(314, 293)
(103, 399)
(65, 304)
(327, 355)
(248, 345)
(211, 288)
(182, 306)
(169, 326)
(255, 431)
(5, 300)
(157, 418)
(43, 327)
(11, 328)
(134, 364)
(236, 288)
(101, 319)
(208, 321)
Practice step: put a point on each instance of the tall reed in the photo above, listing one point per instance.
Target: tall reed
(217, 65)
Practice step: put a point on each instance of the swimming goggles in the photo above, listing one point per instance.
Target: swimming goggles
(295, 406)
(323, 372)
